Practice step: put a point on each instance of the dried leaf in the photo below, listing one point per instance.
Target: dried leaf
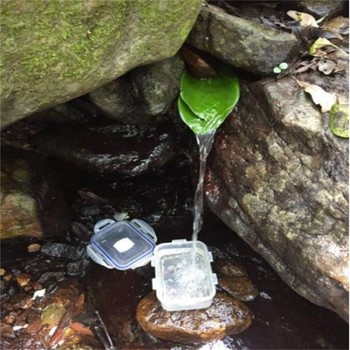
(319, 96)
(304, 19)
(338, 25)
(327, 67)
(318, 44)
(339, 120)
(322, 42)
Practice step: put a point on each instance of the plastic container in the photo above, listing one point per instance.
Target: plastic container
(183, 276)
(122, 245)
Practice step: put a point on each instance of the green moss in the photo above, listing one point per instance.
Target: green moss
(67, 38)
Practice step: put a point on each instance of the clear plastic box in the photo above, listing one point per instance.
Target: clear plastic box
(183, 276)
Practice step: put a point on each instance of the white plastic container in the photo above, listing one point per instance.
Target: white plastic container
(183, 276)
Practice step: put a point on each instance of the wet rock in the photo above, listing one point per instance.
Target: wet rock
(322, 8)
(158, 84)
(19, 215)
(279, 178)
(90, 45)
(119, 102)
(241, 288)
(63, 250)
(117, 312)
(111, 149)
(224, 317)
(229, 268)
(242, 43)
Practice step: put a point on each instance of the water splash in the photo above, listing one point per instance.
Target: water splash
(205, 142)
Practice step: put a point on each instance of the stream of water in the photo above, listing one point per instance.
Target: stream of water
(205, 142)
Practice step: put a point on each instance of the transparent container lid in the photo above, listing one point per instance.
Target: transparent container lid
(122, 244)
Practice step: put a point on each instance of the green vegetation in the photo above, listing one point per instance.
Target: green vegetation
(55, 39)
(339, 120)
(205, 103)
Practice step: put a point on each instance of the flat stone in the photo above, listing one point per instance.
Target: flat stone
(224, 317)
(240, 42)
(241, 288)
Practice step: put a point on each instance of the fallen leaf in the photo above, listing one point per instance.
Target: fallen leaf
(319, 96)
(318, 44)
(327, 67)
(338, 25)
(304, 19)
(339, 120)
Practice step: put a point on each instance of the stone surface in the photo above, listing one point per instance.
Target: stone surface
(229, 268)
(19, 215)
(240, 42)
(158, 84)
(322, 8)
(279, 178)
(110, 149)
(60, 50)
(224, 317)
(118, 100)
(240, 288)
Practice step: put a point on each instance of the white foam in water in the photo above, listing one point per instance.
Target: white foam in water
(182, 278)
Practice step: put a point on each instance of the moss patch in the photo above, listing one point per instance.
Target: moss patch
(67, 39)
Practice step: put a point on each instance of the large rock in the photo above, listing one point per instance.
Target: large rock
(322, 8)
(158, 84)
(19, 215)
(119, 102)
(242, 43)
(55, 51)
(279, 178)
(224, 317)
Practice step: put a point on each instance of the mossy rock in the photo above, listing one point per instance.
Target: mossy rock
(57, 50)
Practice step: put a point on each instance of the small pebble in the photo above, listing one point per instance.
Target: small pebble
(23, 279)
(34, 326)
(34, 247)
(10, 319)
(2, 271)
(26, 303)
(8, 277)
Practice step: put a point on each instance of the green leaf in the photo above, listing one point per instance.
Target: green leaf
(205, 103)
(197, 125)
(339, 120)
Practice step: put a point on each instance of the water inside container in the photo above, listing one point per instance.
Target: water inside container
(185, 277)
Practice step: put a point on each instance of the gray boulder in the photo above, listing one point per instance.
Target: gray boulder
(158, 84)
(320, 8)
(55, 51)
(279, 178)
(118, 101)
(240, 42)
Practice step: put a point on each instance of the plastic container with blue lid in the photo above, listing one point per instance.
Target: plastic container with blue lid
(122, 245)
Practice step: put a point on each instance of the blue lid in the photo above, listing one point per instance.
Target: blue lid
(122, 244)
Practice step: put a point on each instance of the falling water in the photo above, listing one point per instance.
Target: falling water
(205, 142)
